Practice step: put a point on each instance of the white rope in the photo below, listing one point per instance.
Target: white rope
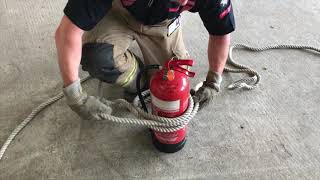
(31, 116)
(254, 79)
(157, 123)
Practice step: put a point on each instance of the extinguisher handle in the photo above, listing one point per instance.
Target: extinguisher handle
(175, 64)
(184, 71)
(187, 62)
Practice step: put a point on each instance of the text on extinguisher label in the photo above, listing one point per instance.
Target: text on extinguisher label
(169, 106)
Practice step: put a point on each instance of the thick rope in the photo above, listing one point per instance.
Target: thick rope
(251, 82)
(157, 123)
(33, 114)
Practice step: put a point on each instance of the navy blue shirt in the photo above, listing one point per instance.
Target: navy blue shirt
(217, 15)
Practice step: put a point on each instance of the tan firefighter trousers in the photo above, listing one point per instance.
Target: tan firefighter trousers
(105, 53)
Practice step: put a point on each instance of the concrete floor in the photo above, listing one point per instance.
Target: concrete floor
(279, 138)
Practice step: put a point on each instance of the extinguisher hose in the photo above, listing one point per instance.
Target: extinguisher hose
(142, 72)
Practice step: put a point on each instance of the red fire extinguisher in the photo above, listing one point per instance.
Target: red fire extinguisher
(170, 89)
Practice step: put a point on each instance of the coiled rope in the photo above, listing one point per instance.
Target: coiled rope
(157, 123)
(154, 122)
(253, 80)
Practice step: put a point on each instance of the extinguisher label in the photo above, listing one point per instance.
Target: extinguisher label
(169, 106)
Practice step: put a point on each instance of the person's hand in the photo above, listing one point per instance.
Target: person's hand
(209, 89)
(87, 107)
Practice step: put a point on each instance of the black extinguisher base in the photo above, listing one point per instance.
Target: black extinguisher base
(167, 148)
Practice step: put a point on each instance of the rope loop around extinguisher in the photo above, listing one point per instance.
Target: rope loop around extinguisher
(157, 123)
(162, 124)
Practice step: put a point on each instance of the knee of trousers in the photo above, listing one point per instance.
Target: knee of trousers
(99, 61)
